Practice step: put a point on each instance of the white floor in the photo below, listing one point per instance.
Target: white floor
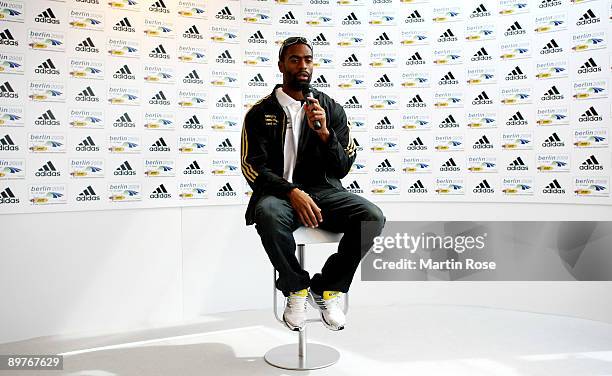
(408, 340)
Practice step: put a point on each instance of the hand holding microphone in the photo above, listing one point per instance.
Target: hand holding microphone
(317, 113)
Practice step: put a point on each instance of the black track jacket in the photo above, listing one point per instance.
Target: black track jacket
(317, 164)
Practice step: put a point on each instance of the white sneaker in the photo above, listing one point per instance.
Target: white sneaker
(294, 315)
(328, 305)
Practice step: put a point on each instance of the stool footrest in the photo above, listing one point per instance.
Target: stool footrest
(317, 356)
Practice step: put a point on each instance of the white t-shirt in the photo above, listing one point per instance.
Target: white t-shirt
(295, 112)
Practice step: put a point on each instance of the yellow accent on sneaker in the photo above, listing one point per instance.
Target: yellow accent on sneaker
(303, 292)
(330, 294)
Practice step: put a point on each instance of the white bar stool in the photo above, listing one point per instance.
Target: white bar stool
(308, 355)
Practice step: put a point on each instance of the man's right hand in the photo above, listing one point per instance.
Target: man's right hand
(308, 212)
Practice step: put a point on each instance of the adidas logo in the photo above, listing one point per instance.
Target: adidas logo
(416, 144)
(6, 91)
(447, 36)
(354, 187)
(258, 38)
(588, 18)
(384, 123)
(517, 119)
(225, 14)
(414, 17)
(288, 19)
(47, 16)
(590, 66)
(591, 163)
(553, 187)
(124, 121)
(449, 122)
(47, 118)
(351, 61)
(517, 165)
(192, 33)
(482, 98)
(226, 191)
(46, 67)
(159, 145)
(87, 45)
(383, 40)
(415, 59)
(159, 98)
(193, 78)
(320, 40)
(549, 3)
(87, 95)
(552, 94)
(450, 165)
(383, 81)
(48, 169)
(225, 145)
(320, 82)
(553, 141)
(480, 11)
(124, 169)
(124, 25)
(352, 102)
(551, 48)
(124, 73)
(7, 144)
(481, 55)
(417, 187)
(448, 79)
(8, 197)
(87, 144)
(225, 101)
(159, 52)
(351, 19)
(590, 115)
(159, 7)
(193, 123)
(225, 58)
(515, 29)
(516, 74)
(417, 101)
(385, 166)
(6, 38)
(193, 169)
(160, 192)
(483, 187)
(258, 80)
(88, 194)
(482, 143)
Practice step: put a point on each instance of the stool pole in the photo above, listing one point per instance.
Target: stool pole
(302, 333)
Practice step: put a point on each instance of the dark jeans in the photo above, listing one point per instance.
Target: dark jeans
(342, 211)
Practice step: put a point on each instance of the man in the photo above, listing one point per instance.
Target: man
(294, 170)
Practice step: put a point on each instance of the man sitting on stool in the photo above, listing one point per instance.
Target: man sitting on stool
(294, 151)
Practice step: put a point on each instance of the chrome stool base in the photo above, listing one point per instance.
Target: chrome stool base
(317, 356)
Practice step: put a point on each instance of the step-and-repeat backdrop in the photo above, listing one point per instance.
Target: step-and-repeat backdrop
(139, 103)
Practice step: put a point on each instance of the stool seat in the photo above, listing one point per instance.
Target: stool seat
(307, 235)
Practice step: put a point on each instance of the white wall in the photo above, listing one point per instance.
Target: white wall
(127, 269)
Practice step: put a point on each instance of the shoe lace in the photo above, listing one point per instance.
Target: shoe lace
(329, 304)
(296, 301)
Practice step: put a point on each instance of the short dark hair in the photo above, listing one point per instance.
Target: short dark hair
(290, 42)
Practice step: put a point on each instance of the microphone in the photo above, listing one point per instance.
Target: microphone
(307, 92)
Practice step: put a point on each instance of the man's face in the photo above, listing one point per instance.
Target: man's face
(296, 66)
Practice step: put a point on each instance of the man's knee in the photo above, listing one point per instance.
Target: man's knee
(375, 215)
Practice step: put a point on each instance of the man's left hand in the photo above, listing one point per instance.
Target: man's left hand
(314, 111)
